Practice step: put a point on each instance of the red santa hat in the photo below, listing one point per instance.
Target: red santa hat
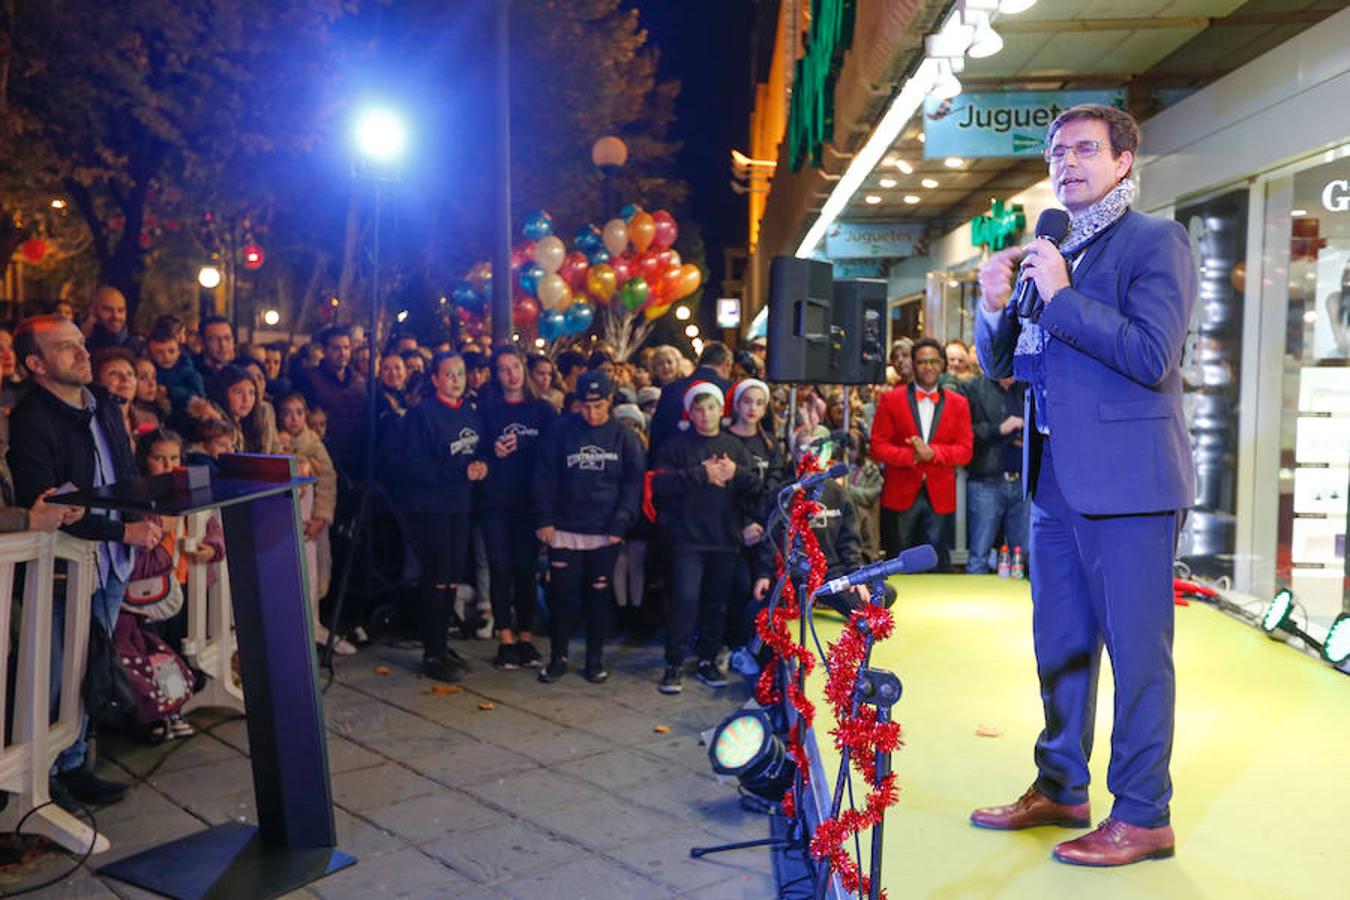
(745, 384)
(696, 390)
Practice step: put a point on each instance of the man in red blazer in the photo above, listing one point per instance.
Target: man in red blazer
(921, 433)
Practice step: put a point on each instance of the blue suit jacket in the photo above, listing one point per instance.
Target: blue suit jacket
(1113, 387)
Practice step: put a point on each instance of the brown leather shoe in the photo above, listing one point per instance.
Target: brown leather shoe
(1031, 809)
(1117, 843)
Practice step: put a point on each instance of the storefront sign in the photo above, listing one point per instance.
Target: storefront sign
(1336, 195)
(871, 240)
(728, 312)
(999, 124)
(811, 117)
(868, 269)
(1000, 228)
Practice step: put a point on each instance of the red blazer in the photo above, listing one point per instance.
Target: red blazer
(897, 420)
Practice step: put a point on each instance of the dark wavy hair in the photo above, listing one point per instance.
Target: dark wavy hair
(251, 425)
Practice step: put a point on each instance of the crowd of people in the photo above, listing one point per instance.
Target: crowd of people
(525, 487)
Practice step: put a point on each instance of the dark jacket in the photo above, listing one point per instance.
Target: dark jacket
(989, 406)
(100, 337)
(344, 399)
(695, 514)
(771, 469)
(589, 479)
(670, 408)
(183, 382)
(835, 526)
(509, 484)
(51, 444)
(439, 442)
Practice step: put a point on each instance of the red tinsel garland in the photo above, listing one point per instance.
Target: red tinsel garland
(863, 735)
(773, 630)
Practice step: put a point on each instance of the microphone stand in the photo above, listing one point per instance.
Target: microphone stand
(879, 688)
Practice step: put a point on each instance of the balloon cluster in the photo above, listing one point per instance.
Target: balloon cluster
(628, 267)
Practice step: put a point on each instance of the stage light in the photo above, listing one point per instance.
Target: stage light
(402, 315)
(1279, 611)
(271, 317)
(380, 135)
(1336, 648)
(745, 747)
(986, 41)
(209, 277)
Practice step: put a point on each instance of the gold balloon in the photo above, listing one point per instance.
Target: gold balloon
(601, 282)
(554, 293)
(641, 230)
(655, 312)
(690, 279)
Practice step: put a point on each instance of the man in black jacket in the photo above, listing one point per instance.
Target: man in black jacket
(67, 430)
(994, 476)
(714, 367)
(337, 387)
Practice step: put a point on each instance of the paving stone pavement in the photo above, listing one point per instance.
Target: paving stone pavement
(563, 790)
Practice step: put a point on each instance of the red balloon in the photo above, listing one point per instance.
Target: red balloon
(669, 284)
(522, 253)
(666, 230)
(624, 266)
(669, 259)
(526, 312)
(33, 249)
(649, 267)
(574, 269)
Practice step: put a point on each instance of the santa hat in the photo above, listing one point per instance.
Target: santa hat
(746, 383)
(696, 390)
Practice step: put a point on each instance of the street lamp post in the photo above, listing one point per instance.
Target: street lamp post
(501, 233)
(609, 155)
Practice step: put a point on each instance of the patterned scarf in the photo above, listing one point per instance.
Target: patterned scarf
(1028, 362)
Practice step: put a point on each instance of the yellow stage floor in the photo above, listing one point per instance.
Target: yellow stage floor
(1261, 764)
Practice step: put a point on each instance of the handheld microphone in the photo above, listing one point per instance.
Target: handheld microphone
(915, 559)
(835, 471)
(1053, 225)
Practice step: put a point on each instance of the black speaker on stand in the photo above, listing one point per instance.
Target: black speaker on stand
(858, 332)
(801, 294)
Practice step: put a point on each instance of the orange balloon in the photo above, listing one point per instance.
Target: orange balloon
(641, 231)
(601, 282)
(690, 279)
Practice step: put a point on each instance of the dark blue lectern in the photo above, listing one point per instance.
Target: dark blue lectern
(295, 840)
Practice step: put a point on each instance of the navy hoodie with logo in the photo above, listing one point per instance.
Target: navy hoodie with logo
(771, 469)
(695, 514)
(588, 479)
(509, 482)
(439, 442)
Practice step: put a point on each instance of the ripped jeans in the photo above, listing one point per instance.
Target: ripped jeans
(580, 581)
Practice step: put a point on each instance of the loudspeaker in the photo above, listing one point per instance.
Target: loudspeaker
(801, 292)
(858, 332)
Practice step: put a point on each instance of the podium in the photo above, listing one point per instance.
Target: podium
(295, 839)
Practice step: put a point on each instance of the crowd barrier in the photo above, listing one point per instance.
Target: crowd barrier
(210, 643)
(36, 738)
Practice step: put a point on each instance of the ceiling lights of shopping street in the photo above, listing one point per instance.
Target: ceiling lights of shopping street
(929, 183)
(911, 199)
(967, 30)
(888, 183)
(872, 199)
(953, 162)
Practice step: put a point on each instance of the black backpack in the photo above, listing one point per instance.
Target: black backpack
(108, 696)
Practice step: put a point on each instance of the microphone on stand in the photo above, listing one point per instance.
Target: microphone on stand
(835, 471)
(1052, 225)
(909, 562)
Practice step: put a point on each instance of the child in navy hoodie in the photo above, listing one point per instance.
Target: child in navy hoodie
(587, 493)
(706, 487)
(444, 454)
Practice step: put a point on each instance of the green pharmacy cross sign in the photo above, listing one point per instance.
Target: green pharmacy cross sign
(1000, 228)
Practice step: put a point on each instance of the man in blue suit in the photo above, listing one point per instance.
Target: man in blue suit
(1107, 463)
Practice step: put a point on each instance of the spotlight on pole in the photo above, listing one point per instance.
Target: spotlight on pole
(381, 136)
(209, 277)
(1279, 611)
(402, 315)
(1336, 648)
(745, 747)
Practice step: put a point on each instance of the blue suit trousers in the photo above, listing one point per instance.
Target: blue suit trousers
(1104, 581)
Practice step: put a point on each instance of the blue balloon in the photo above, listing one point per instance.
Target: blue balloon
(589, 239)
(538, 225)
(579, 316)
(465, 295)
(552, 324)
(530, 273)
(629, 211)
(599, 256)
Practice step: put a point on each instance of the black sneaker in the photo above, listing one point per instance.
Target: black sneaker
(456, 660)
(595, 673)
(553, 671)
(710, 674)
(672, 682)
(442, 668)
(85, 787)
(526, 656)
(507, 658)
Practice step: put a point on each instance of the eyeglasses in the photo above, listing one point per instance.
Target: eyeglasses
(935, 363)
(1081, 149)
